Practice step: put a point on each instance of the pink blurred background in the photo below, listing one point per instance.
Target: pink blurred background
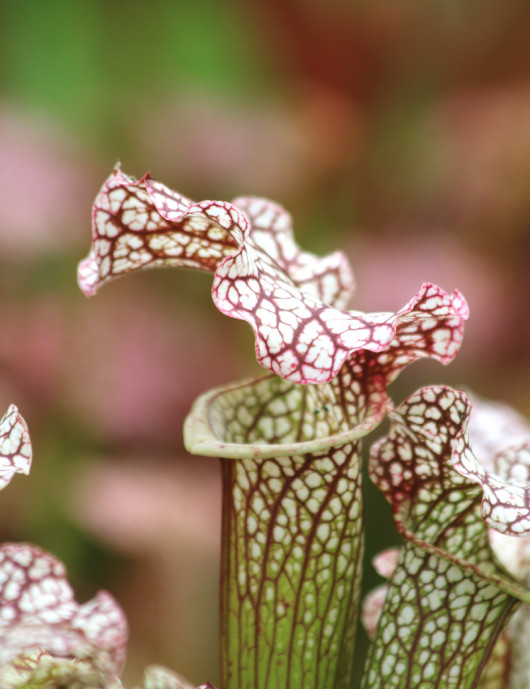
(399, 133)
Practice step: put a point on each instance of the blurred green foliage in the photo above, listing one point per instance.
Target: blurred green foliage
(89, 63)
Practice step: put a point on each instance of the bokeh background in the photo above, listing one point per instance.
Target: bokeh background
(399, 132)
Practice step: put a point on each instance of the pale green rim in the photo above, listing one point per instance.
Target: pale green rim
(199, 438)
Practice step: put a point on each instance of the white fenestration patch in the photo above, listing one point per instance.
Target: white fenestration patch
(37, 605)
(15, 446)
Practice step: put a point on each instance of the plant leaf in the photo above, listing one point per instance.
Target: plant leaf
(292, 529)
(438, 625)
(299, 336)
(497, 671)
(448, 599)
(38, 611)
(15, 446)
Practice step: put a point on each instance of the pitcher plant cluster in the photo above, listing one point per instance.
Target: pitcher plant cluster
(456, 472)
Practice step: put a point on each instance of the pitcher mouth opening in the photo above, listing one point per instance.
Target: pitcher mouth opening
(220, 424)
